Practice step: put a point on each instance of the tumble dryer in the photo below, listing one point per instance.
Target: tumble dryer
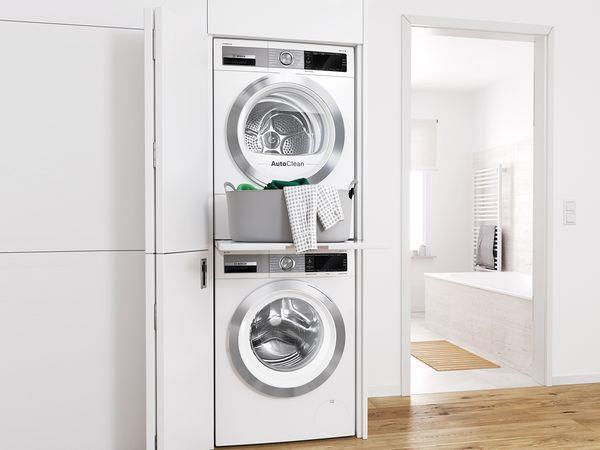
(281, 111)
(284, 347)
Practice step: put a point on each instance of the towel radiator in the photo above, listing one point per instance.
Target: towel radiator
(487, 209)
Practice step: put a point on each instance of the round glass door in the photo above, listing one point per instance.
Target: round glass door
(283, 127)
(286, 334)
(286, 338)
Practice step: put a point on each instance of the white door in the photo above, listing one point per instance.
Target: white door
(286, 338)
(71, 138)
(184, 351)
(285, 127)
(179, 338)
(308, 20)
(72, 346)
(178, 133)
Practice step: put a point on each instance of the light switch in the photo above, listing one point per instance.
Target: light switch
(569, 212)
(570, 219)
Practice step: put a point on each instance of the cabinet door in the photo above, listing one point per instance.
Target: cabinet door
(338, 21)
(72, 346)
(184, 352)
(178, 127)
(71, 138)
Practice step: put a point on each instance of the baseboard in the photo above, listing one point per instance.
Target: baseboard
(576, 379)
(385, 391)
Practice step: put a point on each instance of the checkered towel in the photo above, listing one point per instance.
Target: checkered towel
(329, 206)
(304, 203)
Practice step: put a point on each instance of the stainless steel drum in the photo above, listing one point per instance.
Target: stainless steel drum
(275, 126)
(286, 334)
(286, 121)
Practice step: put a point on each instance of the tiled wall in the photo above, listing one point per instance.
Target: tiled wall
(517, 201)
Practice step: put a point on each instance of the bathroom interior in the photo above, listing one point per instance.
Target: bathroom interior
(471, 213)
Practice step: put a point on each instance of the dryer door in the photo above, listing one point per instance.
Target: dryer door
(286, 338)
(285, 127)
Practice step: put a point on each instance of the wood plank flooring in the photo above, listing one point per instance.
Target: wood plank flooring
(564, 417)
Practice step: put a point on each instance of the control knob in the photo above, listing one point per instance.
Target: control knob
(286, 58)
(286, 263)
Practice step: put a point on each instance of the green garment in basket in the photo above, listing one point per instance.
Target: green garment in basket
(246, 187)
(278, 184)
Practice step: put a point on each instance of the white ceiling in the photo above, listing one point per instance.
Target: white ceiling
(465, 64)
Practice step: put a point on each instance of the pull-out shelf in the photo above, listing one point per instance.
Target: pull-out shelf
(226, 246)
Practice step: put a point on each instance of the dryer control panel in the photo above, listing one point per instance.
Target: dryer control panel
(285, 58)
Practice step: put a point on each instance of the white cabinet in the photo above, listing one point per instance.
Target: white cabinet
(184, 351)
(178, 133)
(179, 294)
(335, 21)
(71, 138)
(72, 346)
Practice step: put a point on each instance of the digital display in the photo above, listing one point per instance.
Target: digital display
(240, 267)
(233, 61)
(334, 62)
(326, 262)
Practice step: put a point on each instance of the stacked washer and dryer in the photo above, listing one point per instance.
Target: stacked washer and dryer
(284, 322)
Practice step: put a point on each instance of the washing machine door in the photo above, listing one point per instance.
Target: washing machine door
(286, 338)
(285, 127)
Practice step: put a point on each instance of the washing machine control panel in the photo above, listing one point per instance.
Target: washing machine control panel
(335, 262)
(309, 262)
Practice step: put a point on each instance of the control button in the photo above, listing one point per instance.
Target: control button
(287, 263)
(286, 58)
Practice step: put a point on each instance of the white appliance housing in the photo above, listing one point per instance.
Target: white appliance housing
(284, 347)
(281, 111)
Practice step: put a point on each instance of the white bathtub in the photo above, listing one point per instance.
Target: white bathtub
(509, 283)
(490, 313)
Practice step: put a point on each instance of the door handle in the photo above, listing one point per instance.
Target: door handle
(204, 273)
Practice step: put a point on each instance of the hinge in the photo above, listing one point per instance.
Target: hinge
(153, 44)
(155, 316)
(154, 154)
(204, 270)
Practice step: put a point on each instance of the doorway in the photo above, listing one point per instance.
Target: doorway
(474, 227)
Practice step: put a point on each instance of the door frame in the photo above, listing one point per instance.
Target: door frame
(541, 36)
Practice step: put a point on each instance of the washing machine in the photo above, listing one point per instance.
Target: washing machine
(281, 111)
(284, 347)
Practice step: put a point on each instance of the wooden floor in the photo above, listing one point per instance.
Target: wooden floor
(565, 417)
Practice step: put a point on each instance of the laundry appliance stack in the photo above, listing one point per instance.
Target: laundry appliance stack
(285, 359)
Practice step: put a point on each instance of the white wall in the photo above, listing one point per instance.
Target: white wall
(503, 134)
(575, 159)
(451, 193)
(504, 112)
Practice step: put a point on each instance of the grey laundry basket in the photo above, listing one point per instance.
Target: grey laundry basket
(261, 216)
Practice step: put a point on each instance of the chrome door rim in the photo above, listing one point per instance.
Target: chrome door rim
(238, 106)
(269, 289)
